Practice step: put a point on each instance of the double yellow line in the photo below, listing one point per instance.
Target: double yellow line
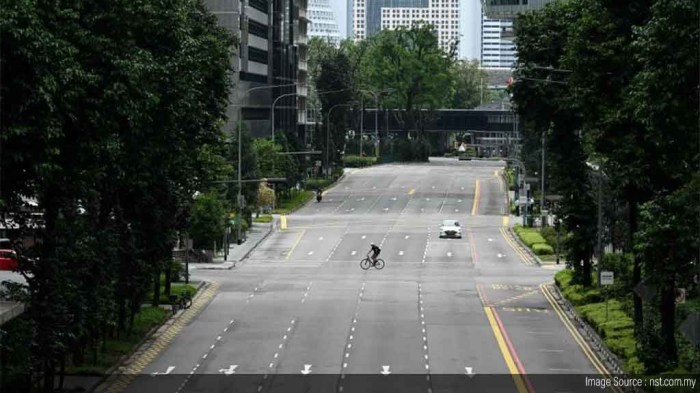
(597, 363)
(516, 247)
(477, 193)
(515, 367)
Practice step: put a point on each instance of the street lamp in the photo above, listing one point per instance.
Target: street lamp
(522, 166)
(328, 133)
(600, 174)
(240, 129)
(375, 94)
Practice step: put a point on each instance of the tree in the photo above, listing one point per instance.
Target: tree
(470, 84)
(208, 222)
(410, 61)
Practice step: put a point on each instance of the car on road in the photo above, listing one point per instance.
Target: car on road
(8, 259)
(450, 228)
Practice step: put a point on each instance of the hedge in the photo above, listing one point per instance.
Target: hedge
(542, 249)
(529, 236)
(316, 183)
(353, 161)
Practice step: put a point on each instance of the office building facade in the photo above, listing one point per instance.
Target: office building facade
(323, 23)
(497, 46)
(371, 16)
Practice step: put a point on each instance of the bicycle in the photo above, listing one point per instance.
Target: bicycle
(367, 263)
(183, 302)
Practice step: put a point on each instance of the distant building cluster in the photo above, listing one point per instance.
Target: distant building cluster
(323, 22)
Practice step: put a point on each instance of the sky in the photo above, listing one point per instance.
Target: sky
(470, 25)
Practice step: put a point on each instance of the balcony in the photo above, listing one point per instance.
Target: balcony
(507, 9)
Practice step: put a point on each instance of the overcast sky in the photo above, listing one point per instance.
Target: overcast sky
(470, 24)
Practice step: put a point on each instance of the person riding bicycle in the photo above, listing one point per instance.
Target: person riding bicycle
(374, 250)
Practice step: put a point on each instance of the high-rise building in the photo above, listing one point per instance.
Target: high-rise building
(323, 23)
(370, 16)
(266, 66)
(497, 47)
(508, 9)
(304, 30)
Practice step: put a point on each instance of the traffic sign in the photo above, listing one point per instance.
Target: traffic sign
(606, 278)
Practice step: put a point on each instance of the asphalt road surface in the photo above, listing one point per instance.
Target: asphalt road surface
(444, 315)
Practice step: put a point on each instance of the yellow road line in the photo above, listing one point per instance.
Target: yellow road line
(283, 222)
(296, 243)
(507, 357)
(597, 363)
(515, 247)
(476, 197)
(413, 191)
(506, 220)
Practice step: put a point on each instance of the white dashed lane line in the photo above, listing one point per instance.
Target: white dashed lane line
(350, 337)
(424, 332)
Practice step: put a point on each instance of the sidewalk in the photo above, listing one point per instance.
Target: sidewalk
(236, 253)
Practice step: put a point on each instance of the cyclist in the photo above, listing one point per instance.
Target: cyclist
(374, 250)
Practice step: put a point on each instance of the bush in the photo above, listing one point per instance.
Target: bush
(295, 202)
(542, 249)
(352, 161)
(529, 236)
(314, 183)
(550, 236)
(575, 293)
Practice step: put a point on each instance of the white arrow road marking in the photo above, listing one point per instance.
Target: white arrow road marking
(400, 252)
(385, 370)
(406, 237)
(364, 237)
(500, 255)
(307, 369)
(353, 253)
(230, 370)
(311, 253)
(170, 369)
(469, 371)
(449, 254)
(490, 239)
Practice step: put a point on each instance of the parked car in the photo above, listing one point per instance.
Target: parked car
(8, 259)
(450, 228)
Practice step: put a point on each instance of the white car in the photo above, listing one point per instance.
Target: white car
(450, 228)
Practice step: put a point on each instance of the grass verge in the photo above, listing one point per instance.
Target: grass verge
(615, 326)
(263, 218)
(296, 201)
(100, 361)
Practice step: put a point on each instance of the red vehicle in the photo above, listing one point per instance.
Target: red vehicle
(8, 259)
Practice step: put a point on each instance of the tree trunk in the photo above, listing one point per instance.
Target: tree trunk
(668, 320)
(168, 278)
(632, 211)
(156, 288)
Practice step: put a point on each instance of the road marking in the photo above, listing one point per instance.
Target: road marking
(296, 243)
(406, 237)
(456, 210)
(385, 369)
(400, 252)
(427, 199)
(310, 253)
(283, 222)
(364, 237)
(353, 253)
(393, 198)
(320, 238)
(506, 220)
(386, 209)
(511, 359)
(170, 369)
(307, 369)
(459, 200)
(421, 209)
(477, 193)
(230, 370)
(449, 254)
(413, 191)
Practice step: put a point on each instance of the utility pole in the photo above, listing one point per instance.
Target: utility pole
(362, 119)
(600, 224)
(542, 186)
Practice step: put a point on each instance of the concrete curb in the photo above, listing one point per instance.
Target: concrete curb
(110, 377)
(525, 248)
(272, 225)
(612, 362)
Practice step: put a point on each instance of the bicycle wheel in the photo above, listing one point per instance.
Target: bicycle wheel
(380, 264)
(365, 264)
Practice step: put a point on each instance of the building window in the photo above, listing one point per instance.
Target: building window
(260, 5)
(257, 55)
(257, 28)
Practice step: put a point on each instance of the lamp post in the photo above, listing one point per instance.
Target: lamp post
(375, 94)
(599, 238)
(240, 129)
(522, 167)
(328, 133)
(272, 113)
